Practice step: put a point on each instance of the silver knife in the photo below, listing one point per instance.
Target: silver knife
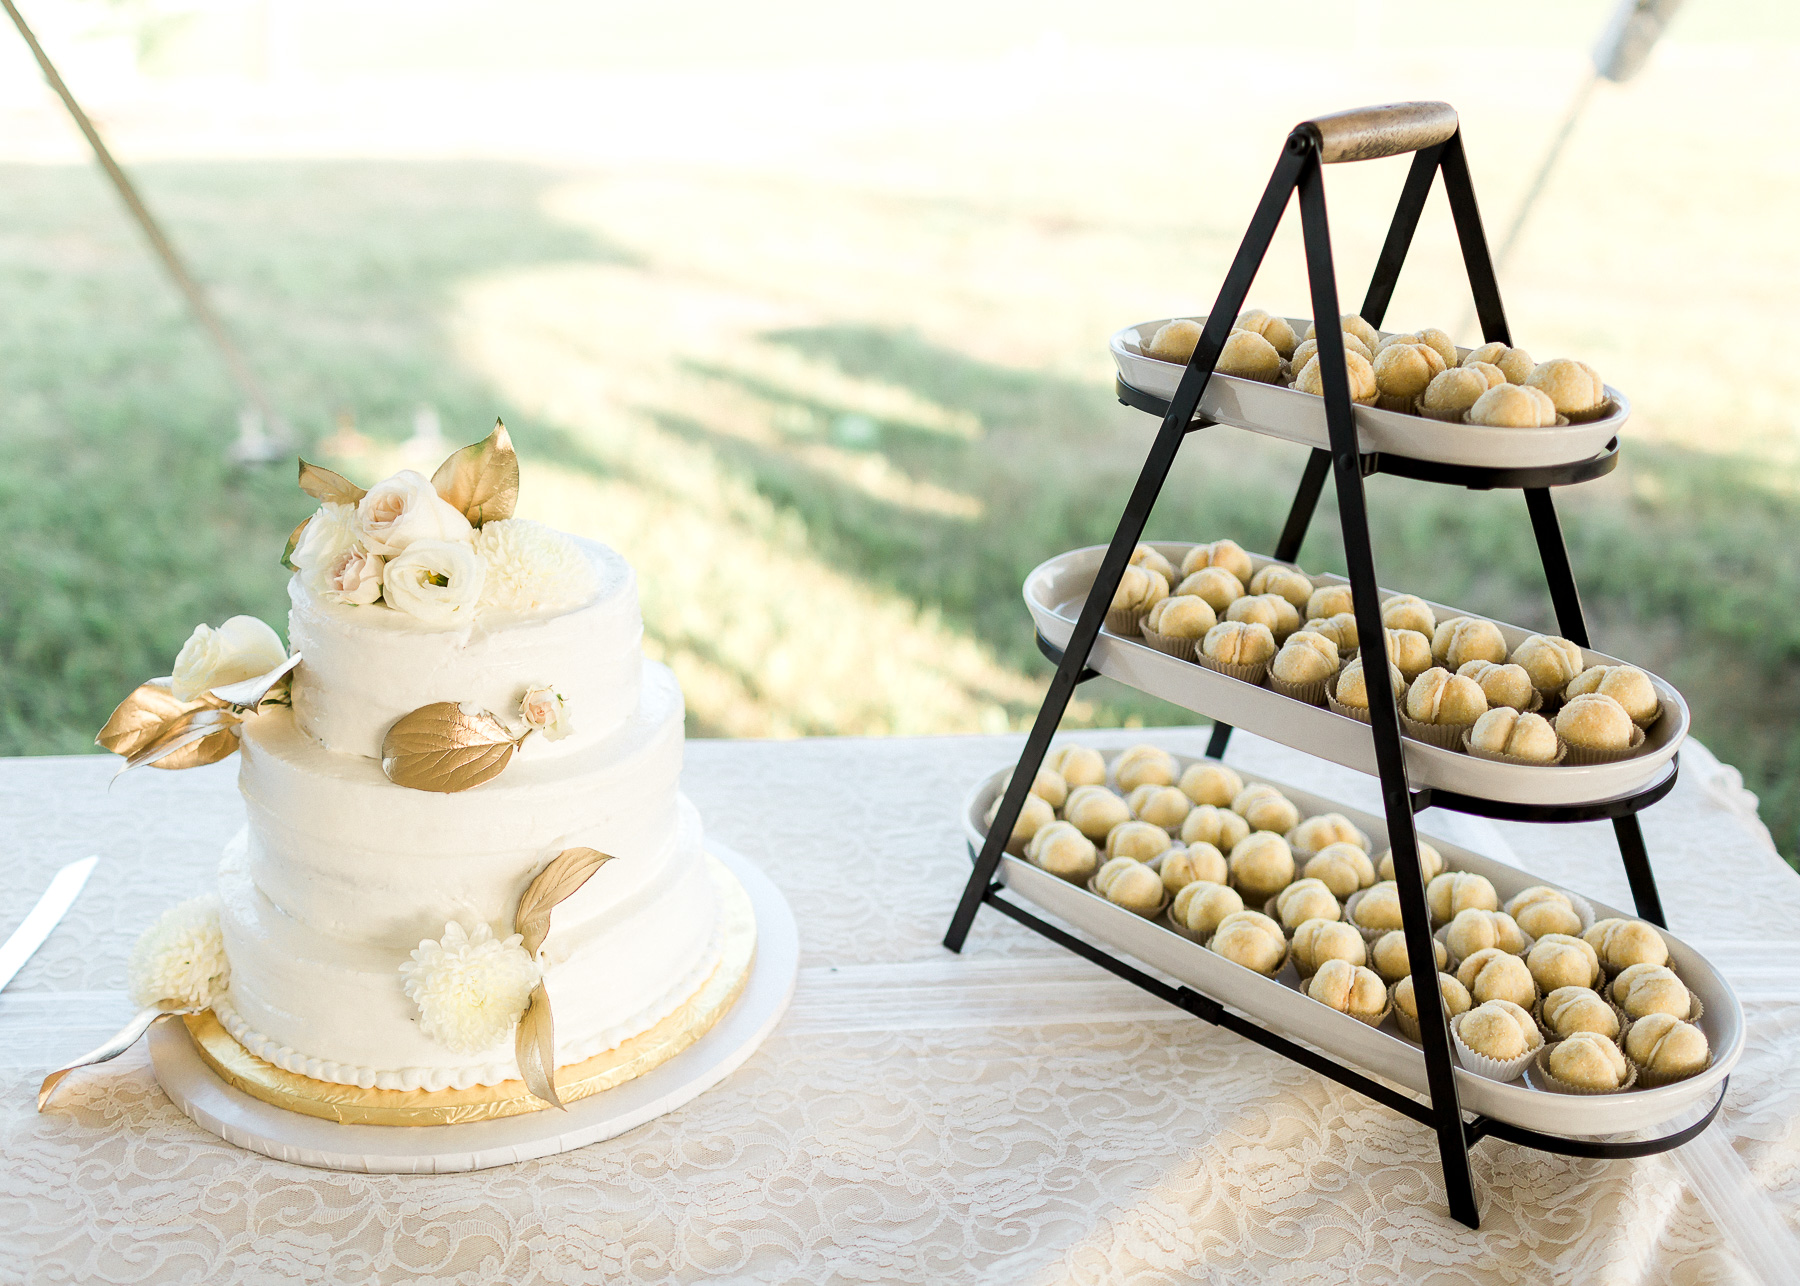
(64, 888)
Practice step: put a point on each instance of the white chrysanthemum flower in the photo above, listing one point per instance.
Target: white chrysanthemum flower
(470, 987)
(181, 957)
(532, 568)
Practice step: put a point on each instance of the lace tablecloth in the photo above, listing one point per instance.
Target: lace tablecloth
(1010, 1115)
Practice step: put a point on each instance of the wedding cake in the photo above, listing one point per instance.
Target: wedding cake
(461, 777)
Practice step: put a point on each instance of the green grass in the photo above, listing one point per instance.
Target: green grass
(379, 286)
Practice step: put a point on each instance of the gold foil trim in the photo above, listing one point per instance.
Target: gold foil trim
(351, 1105)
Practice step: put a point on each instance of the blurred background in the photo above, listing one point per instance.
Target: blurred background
(804, 307)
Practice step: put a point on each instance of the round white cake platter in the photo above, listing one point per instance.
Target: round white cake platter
(261, 1127)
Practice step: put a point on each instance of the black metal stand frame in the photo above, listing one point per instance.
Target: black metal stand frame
(1300, 169)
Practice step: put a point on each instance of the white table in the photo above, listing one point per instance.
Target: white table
(1010, 1115)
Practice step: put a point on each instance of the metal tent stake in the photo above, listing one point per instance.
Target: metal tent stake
(1430, 132)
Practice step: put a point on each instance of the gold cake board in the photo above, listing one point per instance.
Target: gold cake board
(352, 1105)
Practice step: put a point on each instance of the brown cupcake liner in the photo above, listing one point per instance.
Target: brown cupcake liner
(1468, 747)
(1127, 622)
(1251, 673)
(1395, 402)
(1492, 1069)
(1369, 935)
(1313, 694)
(1562, 421)
(1358, 713)
(1650, 1080)
(1449, 736)
(1446, 417)
(1550, 1034)
(1177, 647)
(1540, 1077)
(1649, 721)
(1279, 964)
(1170, 922)
(1168, 900)
(1695, 1007)
(1589, 416)
(1580, 756)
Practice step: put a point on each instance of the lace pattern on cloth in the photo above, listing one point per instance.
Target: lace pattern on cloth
(1009, 1115)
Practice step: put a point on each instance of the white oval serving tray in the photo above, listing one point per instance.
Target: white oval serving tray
(1278, 1004)
(1300, 417)
(1056, 589)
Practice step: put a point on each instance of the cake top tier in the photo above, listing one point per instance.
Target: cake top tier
(422, 591)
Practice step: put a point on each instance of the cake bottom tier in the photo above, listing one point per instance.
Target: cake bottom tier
(678, 1030)
(336, 1011)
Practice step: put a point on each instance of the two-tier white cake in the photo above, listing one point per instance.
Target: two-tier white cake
(343, 876)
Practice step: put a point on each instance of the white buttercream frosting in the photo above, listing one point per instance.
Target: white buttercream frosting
(365, 667)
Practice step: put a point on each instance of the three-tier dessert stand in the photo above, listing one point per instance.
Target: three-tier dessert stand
(1431, 133)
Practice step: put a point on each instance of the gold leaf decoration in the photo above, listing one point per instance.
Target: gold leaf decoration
(327, 487)
(253, 694)
(202, 738)
(482, 480)
(567, 872)
(293, 543)
(534, 1043)
(444, 748)
(144, 717)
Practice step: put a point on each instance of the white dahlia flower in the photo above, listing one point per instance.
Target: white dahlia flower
(532, 568)
(181, 957)
(470, 987)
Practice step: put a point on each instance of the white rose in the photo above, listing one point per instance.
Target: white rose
(436, 581)
(328, 534)
(354, 579)
(407, 508)
(543, 708)
(240, 649)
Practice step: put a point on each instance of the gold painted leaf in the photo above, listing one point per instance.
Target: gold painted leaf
(251, 694)
(534, 1044)
(205, 748)
(287, 555)
(327, 487)
(442, 747)
(202, 736)
(144, 718)
(482, 480)
(567, 872)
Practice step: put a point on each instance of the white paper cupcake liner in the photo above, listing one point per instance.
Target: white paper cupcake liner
(1583, 756)
(1492, 1069)
(1540, 1077)
(1176, 647)
(1649, 721)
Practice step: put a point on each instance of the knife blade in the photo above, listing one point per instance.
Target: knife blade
(64, 888)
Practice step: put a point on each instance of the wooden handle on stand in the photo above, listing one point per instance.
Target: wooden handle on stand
(1366, 133)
